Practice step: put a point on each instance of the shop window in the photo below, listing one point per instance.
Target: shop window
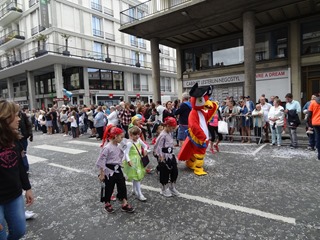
(118, 80)
(72, 78)
(310, 37)
(106, 79)
(203, 59)
(94, 78)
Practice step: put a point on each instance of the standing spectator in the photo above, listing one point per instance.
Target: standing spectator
(74, 125)
(272, 98)
(258, 122)
(64, 121)
(167, 112)
(276, 116)
(245, 122)
(99, 122)
(183, 112)
(49, 121)
(249, 104)
(265, 107)
(213, 130)
(230, 113)
(113, 116)
(160, 110)
(310, 133)
(55, 128)
(293, 108)
(314, 120)
(91, 113)
(13, 176)
(25, 128)
(125, 118)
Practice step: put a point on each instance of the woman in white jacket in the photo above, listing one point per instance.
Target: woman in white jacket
(276, 121)
(113, 117)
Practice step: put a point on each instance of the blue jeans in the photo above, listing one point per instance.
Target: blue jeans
(317, 133)
(312, 139)
(12, 214)
(24, 143)
(276, 134)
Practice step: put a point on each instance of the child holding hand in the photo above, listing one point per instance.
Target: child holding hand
(109, 163)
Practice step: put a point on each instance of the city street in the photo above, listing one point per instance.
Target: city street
(251, 192)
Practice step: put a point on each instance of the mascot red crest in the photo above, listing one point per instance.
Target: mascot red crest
(203, 110)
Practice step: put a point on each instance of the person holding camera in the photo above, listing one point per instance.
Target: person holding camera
(276, 121)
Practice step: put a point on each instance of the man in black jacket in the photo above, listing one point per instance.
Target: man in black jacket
(25, 128)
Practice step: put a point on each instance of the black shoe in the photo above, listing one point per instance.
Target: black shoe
(108, 208)
(127, 208)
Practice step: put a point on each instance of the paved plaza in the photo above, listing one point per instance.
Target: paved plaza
(251, 192)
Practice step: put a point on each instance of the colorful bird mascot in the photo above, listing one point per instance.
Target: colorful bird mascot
(203, 110)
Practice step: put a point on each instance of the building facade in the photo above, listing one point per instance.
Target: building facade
(245, 47)
(48, 46)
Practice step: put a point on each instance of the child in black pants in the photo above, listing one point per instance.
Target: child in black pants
(167, 167)
(109, 163)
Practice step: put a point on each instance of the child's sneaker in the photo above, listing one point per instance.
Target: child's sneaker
(127, 208)
(108, 208)
(166, 192)
(174, 191)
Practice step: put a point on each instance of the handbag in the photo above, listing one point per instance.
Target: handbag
(144, 159)
(223, 127)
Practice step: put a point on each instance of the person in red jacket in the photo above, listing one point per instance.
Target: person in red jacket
(13, 176)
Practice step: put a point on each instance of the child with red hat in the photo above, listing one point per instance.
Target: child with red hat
(167, 166)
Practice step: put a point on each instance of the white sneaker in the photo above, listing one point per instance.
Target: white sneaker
(174, 191)
(142, 198)
(29, 214)
(166, 193)
(65, 135)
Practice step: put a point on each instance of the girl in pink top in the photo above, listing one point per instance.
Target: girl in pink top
(213, 130)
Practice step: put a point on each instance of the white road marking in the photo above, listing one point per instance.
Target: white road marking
(259, 148)
(251, 211)
(96, 144)
(34, 159)
(64, 167)
(60, 149)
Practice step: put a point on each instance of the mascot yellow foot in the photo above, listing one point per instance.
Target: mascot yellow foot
(191, 164)
(196, 164)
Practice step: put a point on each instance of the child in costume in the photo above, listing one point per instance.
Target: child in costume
(109, 163)
(167, 167)
(133, 167)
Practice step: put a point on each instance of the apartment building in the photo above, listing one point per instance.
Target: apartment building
(242, 47)
(48, 46)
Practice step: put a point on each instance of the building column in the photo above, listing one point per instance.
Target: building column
(59, 82)
(86, 97)
(10, 88)
(155, 69)
(249, 42)
(294, 60)
(179, 72)
(31, 90)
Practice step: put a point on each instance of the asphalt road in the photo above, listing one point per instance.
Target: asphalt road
(251, 192)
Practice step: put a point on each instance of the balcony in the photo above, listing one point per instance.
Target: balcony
(97, 33)
(11, 40)
(9, 13)
(109, 36)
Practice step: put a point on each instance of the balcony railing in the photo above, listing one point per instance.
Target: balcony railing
(37, 29)
(12, 35)
(134, 43)
(108, 11)
(148, 9)
(96, 6)
(97, 33)
(79, 53)
(32, 2)
(142, 45)
(109, 36)
(11, 6)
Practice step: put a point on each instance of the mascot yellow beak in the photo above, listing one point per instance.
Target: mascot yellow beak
(208, 105)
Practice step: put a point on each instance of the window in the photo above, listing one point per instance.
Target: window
(227, 53)
(96, 27)
(144, 82)
(20, 89)
(272, 44)
(135, 57)
(203, 59)
(136, 82)
(72, 78)
(106, 79)
(133, 41)
(97, 50)
(118, 80)
(188, 60)
(165, 84)
(96, 5)
(310, 37)
(140, 82)
(94, 78)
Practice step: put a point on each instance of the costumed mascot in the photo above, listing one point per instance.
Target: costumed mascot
(194, 148)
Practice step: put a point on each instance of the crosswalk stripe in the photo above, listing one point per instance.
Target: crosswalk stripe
(96, 144)
(64, 167)
(60, 149)
(34, 159)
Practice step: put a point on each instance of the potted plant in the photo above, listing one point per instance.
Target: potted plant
(138, 58)
(41, 38)
(14, 62)
(66, 37)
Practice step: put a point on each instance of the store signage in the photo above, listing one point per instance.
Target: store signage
(61, 99)
(272, 75)
(44, 13)
(215, 81)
